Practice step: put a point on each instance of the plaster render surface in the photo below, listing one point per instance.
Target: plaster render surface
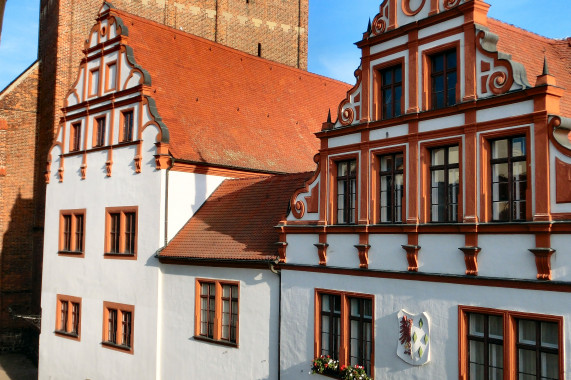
(507, 256)
(553, 155)
(335, 142)
(386, 252)
(439, 300)
(94, 278)
(385, 133)
(301, 250)
(184, 357)
(502, 112)
(383, 46)
(441, 123)
(439, 254)
(440, 27)
(561, 259)
(341, 251)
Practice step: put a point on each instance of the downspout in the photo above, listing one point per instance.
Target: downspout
(216, 23)
(299, 33)
(279, 273)
(167, 200)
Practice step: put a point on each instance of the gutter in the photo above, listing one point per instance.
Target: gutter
(167, 203)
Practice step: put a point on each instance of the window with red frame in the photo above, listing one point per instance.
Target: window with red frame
(100, 131)
(391, 92)
(68, 316)
(75, 138)
(444, 184)
(121, 231)
(346, 191)
(127, 126)
(443, 76)
(391, 187)
(118, 326)
(217, 311)
(72, 230)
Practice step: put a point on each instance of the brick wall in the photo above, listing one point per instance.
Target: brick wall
(17, 166)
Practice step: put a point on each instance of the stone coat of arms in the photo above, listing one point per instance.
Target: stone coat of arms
(414, 338)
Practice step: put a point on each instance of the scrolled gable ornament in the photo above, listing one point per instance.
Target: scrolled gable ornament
(413, 344)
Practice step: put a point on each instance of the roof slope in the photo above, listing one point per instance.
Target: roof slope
(229, 108)
(237, 221)
(529, 49)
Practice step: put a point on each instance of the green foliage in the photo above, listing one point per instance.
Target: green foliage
(325, 365)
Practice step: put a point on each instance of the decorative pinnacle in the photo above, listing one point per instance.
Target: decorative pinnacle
(329, 116)
(545, 67)
(369, 28)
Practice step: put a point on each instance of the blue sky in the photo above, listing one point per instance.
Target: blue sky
(334, 27)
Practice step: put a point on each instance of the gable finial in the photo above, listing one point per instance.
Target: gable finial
(329, 116)
(369, 28)
(545, 67)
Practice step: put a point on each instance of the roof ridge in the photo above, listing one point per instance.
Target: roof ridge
(260, 177)
(206, 41)
(525, 31)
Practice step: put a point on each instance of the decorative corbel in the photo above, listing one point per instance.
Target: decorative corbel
(412, 256)
(83, 168)
(162, 158)
(281, 251)
(471, 259)
(322, 252)
(138, 160)
(363, 255)
(60, 173)
(543, 262)
(108, 167)
(48, 171)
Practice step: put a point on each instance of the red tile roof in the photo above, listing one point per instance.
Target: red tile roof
(256, 206)
(529, 49)
(229, 108)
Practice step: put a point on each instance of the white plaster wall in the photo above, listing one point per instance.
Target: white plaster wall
(440, 254)
(502, 112)
(184, 357)
(95, 279)
(300, 249)
(439, 300)
(335, 142)
(187, 193)
(441, 123)
(553, 154)
(383, 46)
(561, 259)
(386, 252)
(442, 26)
(341, 251)
(507, 256)
(385, 133)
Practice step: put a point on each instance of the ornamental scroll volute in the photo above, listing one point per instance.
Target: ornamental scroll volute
(381, 21)
(305, 201)
(497, 72)
(349, 111)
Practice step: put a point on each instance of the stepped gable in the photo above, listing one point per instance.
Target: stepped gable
(529, 49)
(228, 108)
(237, 221)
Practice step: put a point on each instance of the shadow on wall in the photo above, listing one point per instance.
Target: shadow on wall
(17, 334)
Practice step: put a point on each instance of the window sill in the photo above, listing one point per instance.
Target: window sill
(65, 334)
(221, 342)
(71, 253)
(120, 256)
(117, 347)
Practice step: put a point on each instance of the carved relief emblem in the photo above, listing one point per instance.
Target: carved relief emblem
(414, 338)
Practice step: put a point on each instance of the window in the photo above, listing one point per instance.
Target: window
(216, 316)
(346, 191)
(391, 188)
(345, 327)
(445, 184)
(111, 77)
(75, 137)
(498, 343)
(118, 326)
(443, 77)
(391, 92)
(127, 132)
(93, 82)
(509, 179)
(100, 131)
(68, 322)
(72, 231)
(121, 232)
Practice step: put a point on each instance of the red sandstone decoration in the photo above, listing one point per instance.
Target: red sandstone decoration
(562, 181)
(471, 259)
(47, 173)
(282, 251)
(138, 160)
(381, 20)
(322, 249)
(407, 10)
(412, 256)
(448, 4)
(347, 111)
(298, 207)
(83, 168)
(108, 167)
(560, 133)
(363, 255)
(543, 262)
(60, 173)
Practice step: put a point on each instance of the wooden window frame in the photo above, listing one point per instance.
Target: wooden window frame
(334, 163)
(91, 91)
(121, 310)
(378, 173)
(485, 139)
(344, 339)
(122, 138)
(68, 331)
(446, 167)
(510, 319)
(122, 212)
(75, 137)
(217, 327)
(74, 234)
(378, 84)
(98, 139)
(108, 67)
(425, 185)
(427, 73)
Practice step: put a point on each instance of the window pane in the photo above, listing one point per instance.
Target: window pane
(453, 155)
(398, 97)
(500, 211)
(387, 77)
(526, 362)
(353, 167)
(477, 352)
(438, 63)
(398, 74)
(477, 371)
(526, 331)
(518, 147)
(438, 156)
(549, 335)
(549, 366)
(342, 169)
(500, 148)
(496, 327)
(496, 356)
(477, 323)
(500, 172)
(451, 60)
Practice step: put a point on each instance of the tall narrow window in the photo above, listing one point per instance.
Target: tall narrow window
(361, 332)
(445, 184)
(100, 131)
(111, 77)
(68, 318)
(391, 92)
(118, 326)
(217, 311)
(121, 232)
(259, 50)
(93, 82)
(485, 346)
(346, 191)
(72, 231)
(127, 126)
(443, 79)
(509, 179)
(75, 138)
(330, 325)
(537, 350)
(391, 188)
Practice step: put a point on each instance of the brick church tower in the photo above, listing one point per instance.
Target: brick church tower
(273, 29)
